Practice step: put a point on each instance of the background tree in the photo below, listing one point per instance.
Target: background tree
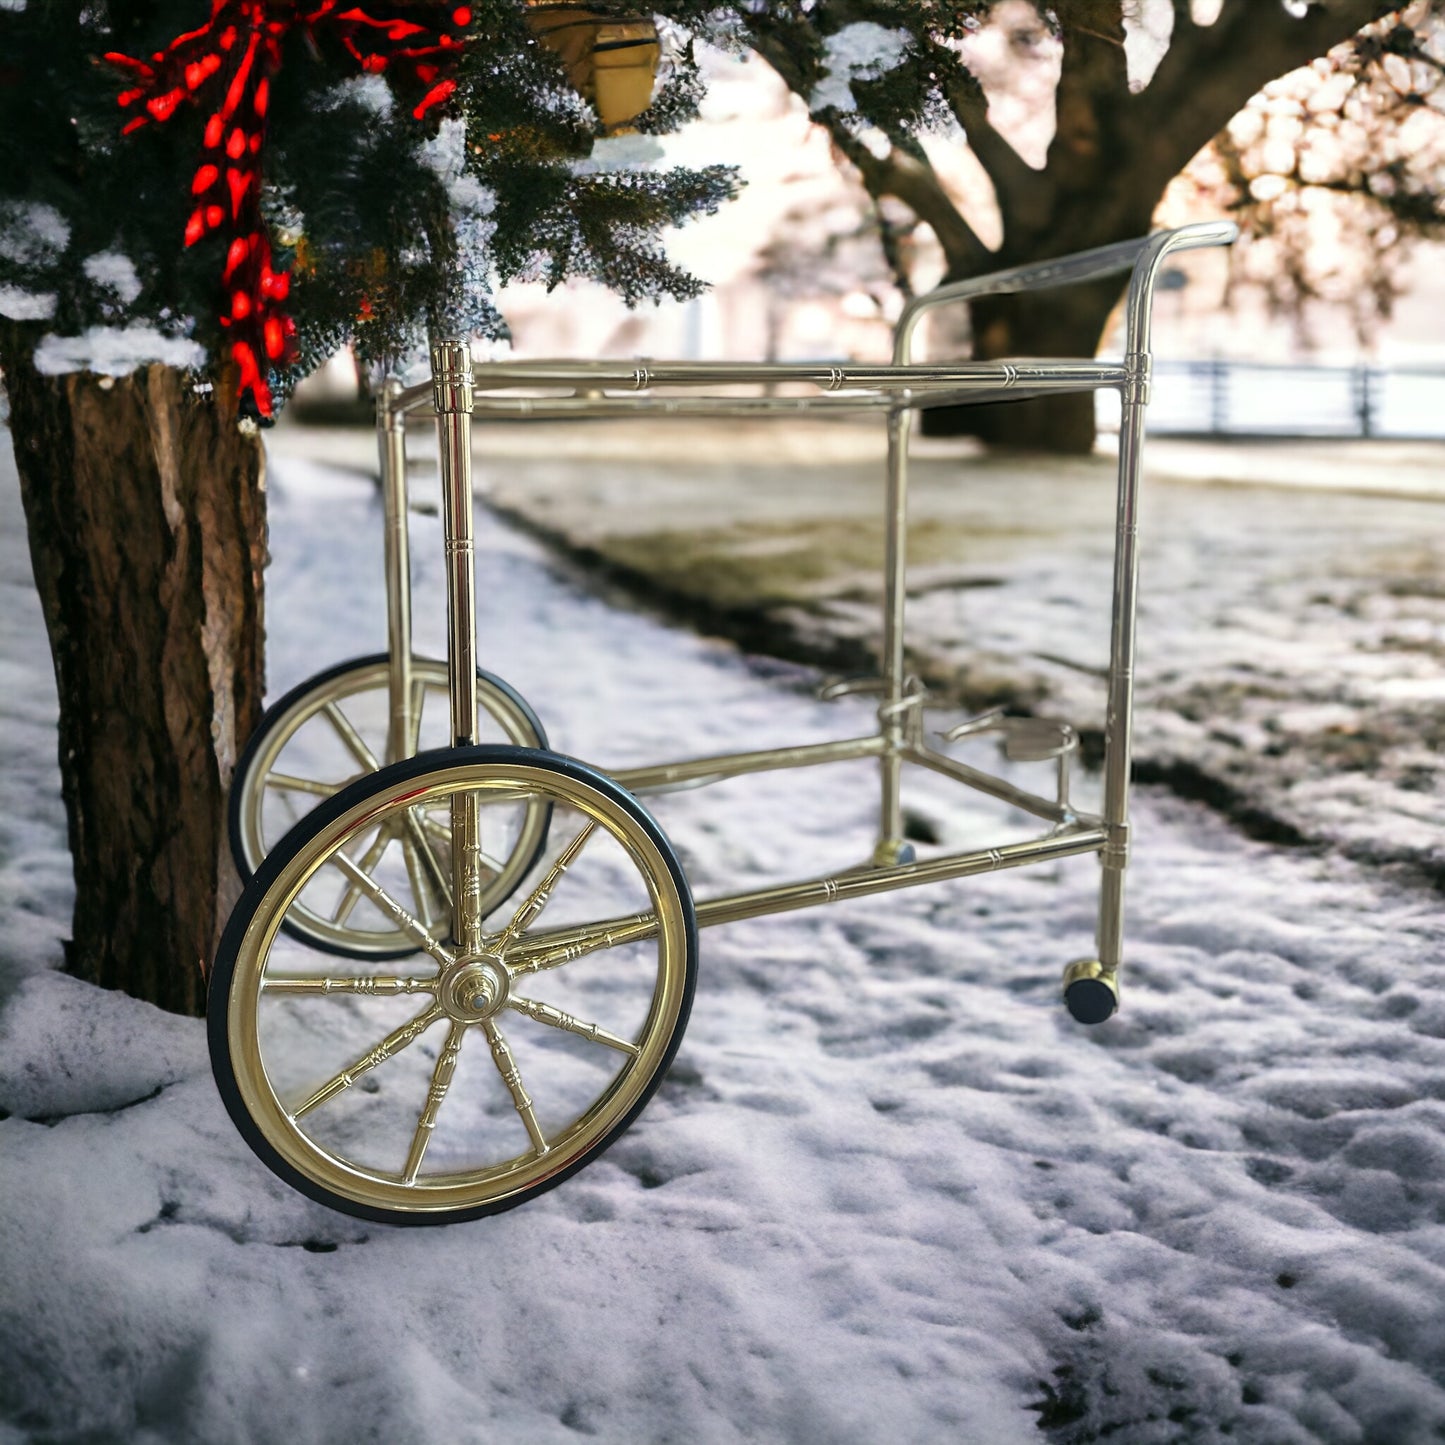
(877, 74)
(196, 207)
(1335, 171)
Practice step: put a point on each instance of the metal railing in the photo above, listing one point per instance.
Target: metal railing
(1240, 398)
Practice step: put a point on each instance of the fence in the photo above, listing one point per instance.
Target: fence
(1233, 398)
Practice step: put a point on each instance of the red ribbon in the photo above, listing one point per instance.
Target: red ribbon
(229, 64)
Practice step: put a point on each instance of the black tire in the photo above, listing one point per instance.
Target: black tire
(497, 697)
(251, 933)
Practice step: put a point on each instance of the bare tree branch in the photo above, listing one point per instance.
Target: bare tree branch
(1023, 192)
(1209, 71)
(913, 182)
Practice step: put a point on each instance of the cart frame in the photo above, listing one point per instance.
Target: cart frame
(460, 390)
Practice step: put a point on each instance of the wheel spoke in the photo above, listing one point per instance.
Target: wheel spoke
(374, 985)
(390, 1046)
(421, 885)
(565, 945)
(410, 925)
(541, 895)
(441, 1081)
(351, 895)
(292, 784)
(507, 1067)
(355, 744)
(544, 1013)
(421, 844)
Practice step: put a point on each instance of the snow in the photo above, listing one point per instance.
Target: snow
(860, 51)
(115, 351)
(890, 1191)
(618, 153)
(32, 233)
(116, 272)
(22, 305)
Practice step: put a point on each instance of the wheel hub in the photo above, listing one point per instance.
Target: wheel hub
(475, 990)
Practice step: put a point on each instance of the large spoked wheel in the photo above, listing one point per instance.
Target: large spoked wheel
(478, 1078)
(331, 730)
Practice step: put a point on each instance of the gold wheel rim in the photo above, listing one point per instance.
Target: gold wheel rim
(258, 784)
(286, 1125)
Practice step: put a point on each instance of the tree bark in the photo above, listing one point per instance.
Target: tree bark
(145, 507)
(1066, 322)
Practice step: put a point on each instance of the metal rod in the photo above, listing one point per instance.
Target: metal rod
(452, 397)
(983, 782)
(1119, 716)
(391, 440)
(730, 765)
(1142, 256)
(919, 385)
(863, 884)
(890, 844)
(563, 945)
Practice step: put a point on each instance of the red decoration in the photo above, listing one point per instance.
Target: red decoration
(240, 47)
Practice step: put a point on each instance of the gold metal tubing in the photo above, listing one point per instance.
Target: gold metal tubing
(729, 765)
(391, 439)
(790, 896)
(986, 783)
(787, 897)
(645, 376)
(895, 586)
(868, 385)
(452, 397)
(1119, 717)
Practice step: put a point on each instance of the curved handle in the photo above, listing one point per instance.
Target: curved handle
(1143, 255)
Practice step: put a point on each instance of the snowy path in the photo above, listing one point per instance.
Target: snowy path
(890, 1191)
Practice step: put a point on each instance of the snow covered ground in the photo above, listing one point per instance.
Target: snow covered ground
(889, 1192)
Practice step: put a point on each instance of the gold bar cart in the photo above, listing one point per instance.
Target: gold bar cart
(574, 977)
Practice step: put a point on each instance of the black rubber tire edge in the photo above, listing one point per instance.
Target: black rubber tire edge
(320, 817)
(269, 720)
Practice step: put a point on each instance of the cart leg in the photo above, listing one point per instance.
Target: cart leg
(391, 440)
(891, 847)
(451, 363)
(1091, 986)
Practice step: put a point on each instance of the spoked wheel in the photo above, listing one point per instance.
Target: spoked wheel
(480, 1078)
(331, 730)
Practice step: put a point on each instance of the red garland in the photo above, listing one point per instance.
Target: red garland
(241, 47)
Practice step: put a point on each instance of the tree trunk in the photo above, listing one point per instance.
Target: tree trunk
(146, 514)
(1067, 322)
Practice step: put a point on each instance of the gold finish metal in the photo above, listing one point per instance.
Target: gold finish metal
(338, 725)
(568, 1106)
(451, 363)
(388, 848)
(891, 847)
(557, 947)
(388, 1048)
(665, 776)
(441, 1081)
(391, 442)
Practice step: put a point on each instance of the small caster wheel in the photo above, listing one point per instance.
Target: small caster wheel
(475, 1078)
(332, 729)
(1091, 992)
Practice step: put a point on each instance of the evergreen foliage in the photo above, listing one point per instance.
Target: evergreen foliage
(391, 226)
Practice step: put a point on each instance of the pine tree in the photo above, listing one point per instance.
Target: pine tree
(200, 200)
